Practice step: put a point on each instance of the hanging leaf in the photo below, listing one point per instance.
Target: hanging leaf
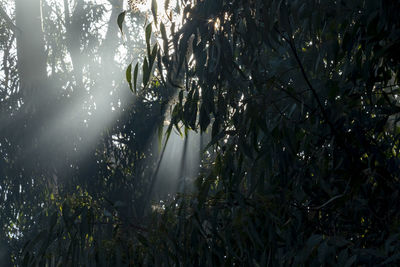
(148, 35)
(164, 38)
(160, 135)
(135, 76)
(120, 20)
(129, 76)
(146, 72)
(154, 10)
(166, 4)
(148, 32)
(152, 56)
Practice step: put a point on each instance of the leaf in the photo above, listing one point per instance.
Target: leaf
(164, 37)
(154, 10)
(152, 56)
(166, 4)
(204, 118)
(120, 20)
(129, 76)
(160, 135)
(183, 47)
(168, 133)
(146, 72)
(148, 35)
(135, 76)
(215, 140)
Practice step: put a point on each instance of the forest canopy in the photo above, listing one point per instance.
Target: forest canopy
(199, 133)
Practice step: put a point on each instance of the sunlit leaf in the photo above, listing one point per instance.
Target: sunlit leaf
(154, 10)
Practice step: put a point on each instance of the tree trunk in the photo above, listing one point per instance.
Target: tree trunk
(30, 49)
(73, 26)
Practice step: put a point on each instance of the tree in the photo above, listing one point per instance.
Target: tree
(301, 98)
(301, 101)
(58, 162)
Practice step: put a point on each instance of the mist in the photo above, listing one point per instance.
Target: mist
(69, 121)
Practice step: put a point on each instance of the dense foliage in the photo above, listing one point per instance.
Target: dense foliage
(70, 130)
(301, 101)
(301, 98)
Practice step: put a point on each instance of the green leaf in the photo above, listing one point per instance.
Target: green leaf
(148, 33)
(129, 76)
(152, 56)
(154, 10)
(160, 135)
(168, 133)
(135, 76)
(166, 5)
(146, 73)
(204, 118)
(164, 38)
(120, 20)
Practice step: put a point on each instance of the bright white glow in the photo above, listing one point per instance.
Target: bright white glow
(160, 5)
(162, 14)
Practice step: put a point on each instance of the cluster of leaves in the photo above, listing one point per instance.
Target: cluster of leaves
(301, 98)
(65, 192)
(301, 101)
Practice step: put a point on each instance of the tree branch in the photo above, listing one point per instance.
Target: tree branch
(9, 22)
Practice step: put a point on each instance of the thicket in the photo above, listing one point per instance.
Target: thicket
(301, 101)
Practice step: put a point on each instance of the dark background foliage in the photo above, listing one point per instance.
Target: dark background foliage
(298, 102)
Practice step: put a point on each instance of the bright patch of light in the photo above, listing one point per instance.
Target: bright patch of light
(160, 5)
(163, 15)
